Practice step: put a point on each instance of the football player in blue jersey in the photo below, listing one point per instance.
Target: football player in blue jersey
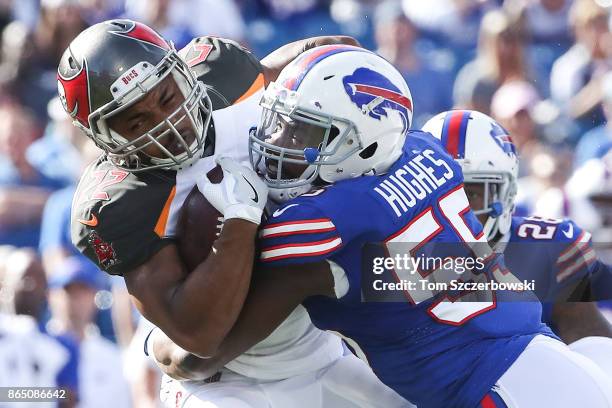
(556, 253)
(334, 144)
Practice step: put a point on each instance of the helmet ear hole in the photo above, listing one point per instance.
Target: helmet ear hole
(333, 133)
(369, 151)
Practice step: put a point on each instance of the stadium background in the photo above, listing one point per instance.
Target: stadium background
(542, 68)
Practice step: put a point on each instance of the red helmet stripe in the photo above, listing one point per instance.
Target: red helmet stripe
(143, 33)
(302, 64)
(387, 94)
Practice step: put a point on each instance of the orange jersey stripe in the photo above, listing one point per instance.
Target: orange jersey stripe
(160, 227)
(255, 86)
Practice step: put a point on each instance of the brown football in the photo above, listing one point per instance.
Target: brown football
(198, 225)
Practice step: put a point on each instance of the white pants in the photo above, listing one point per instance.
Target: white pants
(597, 349)
(346, 383)
(549, 374)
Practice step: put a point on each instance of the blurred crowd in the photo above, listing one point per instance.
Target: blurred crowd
(542, 68)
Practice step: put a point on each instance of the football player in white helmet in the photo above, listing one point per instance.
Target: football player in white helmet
(490, 162)
(338, 121)
(558, 254)
(336, 148)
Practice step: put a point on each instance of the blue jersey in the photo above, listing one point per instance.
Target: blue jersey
(433, 352)
(558, 255)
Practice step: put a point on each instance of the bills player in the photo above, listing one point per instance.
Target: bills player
(334, 142)
(556, 253)
(163, 119)
(586, 198)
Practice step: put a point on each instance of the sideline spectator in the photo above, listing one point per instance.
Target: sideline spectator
(181, 20)
(575, 81)
(451, 23)
(397, 39)
(500, 59)
(547, 21)
(598, 141)
(73, 288)
(549, 34)
(512, 106)
(23, 188)
(24, 296)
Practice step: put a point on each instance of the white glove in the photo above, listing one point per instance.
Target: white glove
(241, 193)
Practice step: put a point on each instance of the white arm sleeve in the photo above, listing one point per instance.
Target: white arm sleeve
(341, 283)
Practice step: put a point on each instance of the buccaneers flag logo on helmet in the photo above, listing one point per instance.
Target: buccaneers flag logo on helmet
(74, 94)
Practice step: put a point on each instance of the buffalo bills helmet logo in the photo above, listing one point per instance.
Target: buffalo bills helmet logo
(375, 94)
(503, 139)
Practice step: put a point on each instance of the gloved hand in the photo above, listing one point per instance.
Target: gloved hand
(241, 193)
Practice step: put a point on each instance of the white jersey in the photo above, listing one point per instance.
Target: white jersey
(296, 346)
(28, 358)
(101, 372)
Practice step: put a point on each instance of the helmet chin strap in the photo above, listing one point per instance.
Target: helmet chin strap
(497, 209)
(280, 195)
(490, 227)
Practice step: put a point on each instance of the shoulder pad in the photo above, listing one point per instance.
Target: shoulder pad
(118, 218)
(230, 72)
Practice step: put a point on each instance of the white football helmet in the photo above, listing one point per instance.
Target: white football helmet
(336, 112)
(487, 156)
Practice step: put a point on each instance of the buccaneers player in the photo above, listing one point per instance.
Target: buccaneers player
(164, 119)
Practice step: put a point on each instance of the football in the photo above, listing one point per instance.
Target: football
(199, 224)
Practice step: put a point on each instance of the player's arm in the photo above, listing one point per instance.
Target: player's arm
(274, 62)
(578, 277)
(198, 309)
(233, 74)
(275, 293)
(575, 320)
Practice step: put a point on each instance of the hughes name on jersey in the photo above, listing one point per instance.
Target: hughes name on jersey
(119, 218)
(434, 352)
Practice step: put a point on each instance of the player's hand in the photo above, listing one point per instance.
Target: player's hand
(241, 193)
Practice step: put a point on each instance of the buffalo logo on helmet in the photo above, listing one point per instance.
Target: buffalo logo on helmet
(104, 250)
(375, 94)
(502, 138)
(74, 94)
